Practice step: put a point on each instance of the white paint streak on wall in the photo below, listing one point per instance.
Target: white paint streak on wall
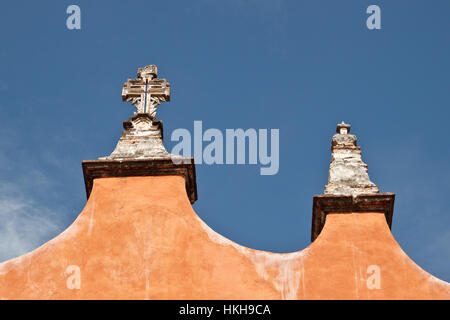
(91, 218)
(303, 282)
(287, 266)
(145, 250)
(147, 285)
(355, 273)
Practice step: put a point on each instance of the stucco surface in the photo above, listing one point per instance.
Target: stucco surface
(139, 238)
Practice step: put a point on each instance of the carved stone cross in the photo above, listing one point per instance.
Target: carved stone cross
(146, 92)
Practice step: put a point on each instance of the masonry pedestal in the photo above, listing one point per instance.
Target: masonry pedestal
(93, 169)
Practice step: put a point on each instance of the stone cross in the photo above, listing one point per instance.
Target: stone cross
(146, 92)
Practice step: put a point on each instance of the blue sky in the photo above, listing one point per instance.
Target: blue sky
(298, 66)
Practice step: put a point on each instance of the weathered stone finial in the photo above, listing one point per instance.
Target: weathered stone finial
(146, 92)
(349, 189)
(140, 150)
(143, 134)
(348, 174)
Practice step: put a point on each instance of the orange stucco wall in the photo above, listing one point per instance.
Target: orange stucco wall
(139, 238)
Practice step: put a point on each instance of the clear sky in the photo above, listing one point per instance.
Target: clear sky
(297, 66)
